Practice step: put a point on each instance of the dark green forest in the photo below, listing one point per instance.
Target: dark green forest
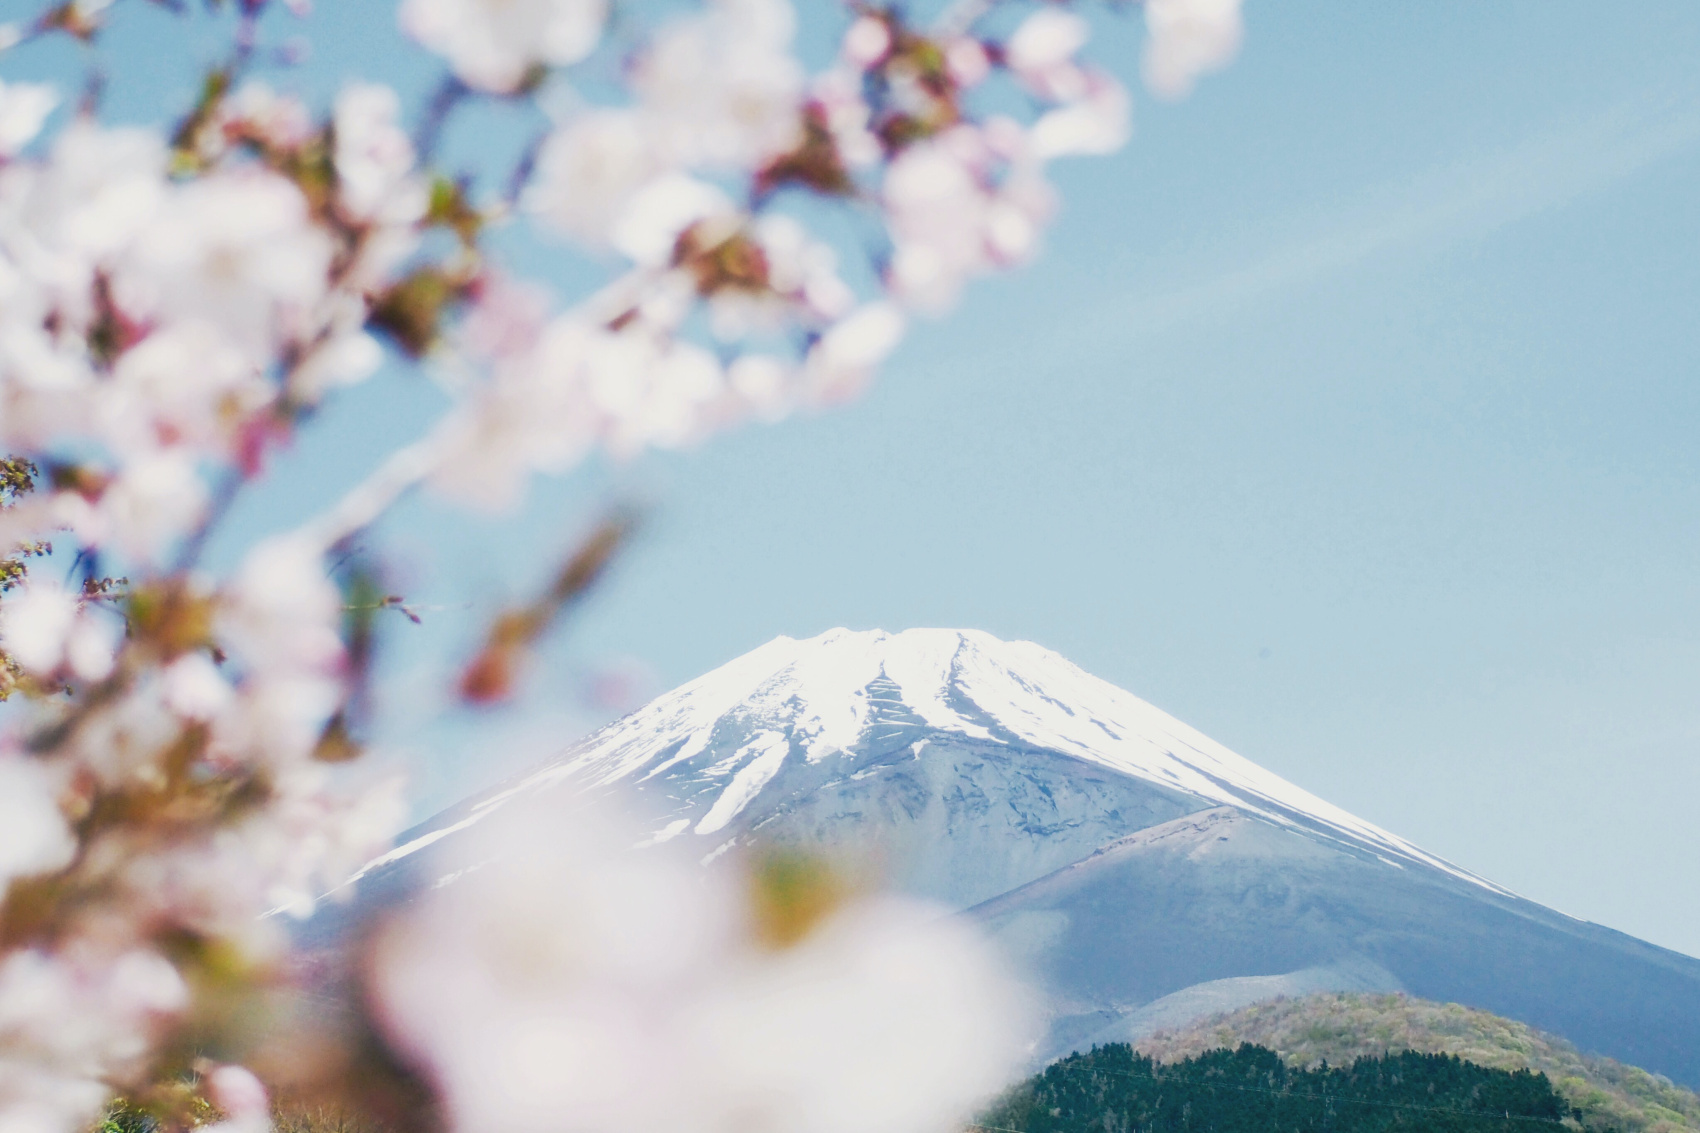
(1114, 1090)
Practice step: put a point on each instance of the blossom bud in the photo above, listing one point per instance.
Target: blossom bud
(1045, 40)
(866, 42)
(967, 62)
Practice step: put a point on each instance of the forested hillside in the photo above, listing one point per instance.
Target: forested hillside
(1339, 1028)
(1114, 1089)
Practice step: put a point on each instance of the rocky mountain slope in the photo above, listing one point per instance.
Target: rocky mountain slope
(1145, 875)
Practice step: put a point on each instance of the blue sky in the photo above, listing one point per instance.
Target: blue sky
(1350, 416)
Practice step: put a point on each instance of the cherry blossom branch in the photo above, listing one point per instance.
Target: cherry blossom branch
(400, 472)
(178, 303)
(450, 93)
(961, 15)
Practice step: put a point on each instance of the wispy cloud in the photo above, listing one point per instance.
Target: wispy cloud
(1463, 202)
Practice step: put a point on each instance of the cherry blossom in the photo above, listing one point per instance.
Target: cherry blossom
(1094, 123)
(578, 386)
(866, 42)
(71, 1021)
(24, 108)
(374, 158)
(237, 250)
(838, 105)
(721, 89)
(47, 629)
(648, 227)
(845, 358)
(531, 1018)
(589, 170)
(801, 282)
(1188, 38)
(183, 385)
(951, 219)
(61, 222)
(256, 112)
(194, 688)
(1042, 50)
(241, 1097)
(152, 502)
(34, 837)
(492, 44)
(179, 299)
(279, 622)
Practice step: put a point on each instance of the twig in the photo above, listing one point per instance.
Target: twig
(524, 168)
(449, 94)
(224, 495)
(960, 16)
(392, 479)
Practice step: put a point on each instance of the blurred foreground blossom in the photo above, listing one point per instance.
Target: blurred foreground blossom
(492, 44)
(242, 1099)
(180, 761)
(1189, 39)
(650, 994)
(72, 1020)
(45, 628)
(34, 836)
(24, 107)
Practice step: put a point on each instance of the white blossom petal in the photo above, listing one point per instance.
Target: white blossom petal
(24, 107)
(1187, 39)
(34, 837)
(534, 1015)
(650, 224)
(491, 44)
(35, 623)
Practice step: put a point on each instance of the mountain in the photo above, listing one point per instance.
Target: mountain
(1143, 874)
(1341, 1028)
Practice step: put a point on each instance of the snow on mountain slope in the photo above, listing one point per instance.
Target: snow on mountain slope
(1134, 868)
(731, 733)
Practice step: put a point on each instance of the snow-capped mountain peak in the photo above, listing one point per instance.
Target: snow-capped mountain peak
(1132, 866)
(810, 701)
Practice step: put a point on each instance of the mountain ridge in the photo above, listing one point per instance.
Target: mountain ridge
(1134, 868)
(944, 678)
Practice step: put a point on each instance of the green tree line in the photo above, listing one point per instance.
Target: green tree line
(1113, 1089)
